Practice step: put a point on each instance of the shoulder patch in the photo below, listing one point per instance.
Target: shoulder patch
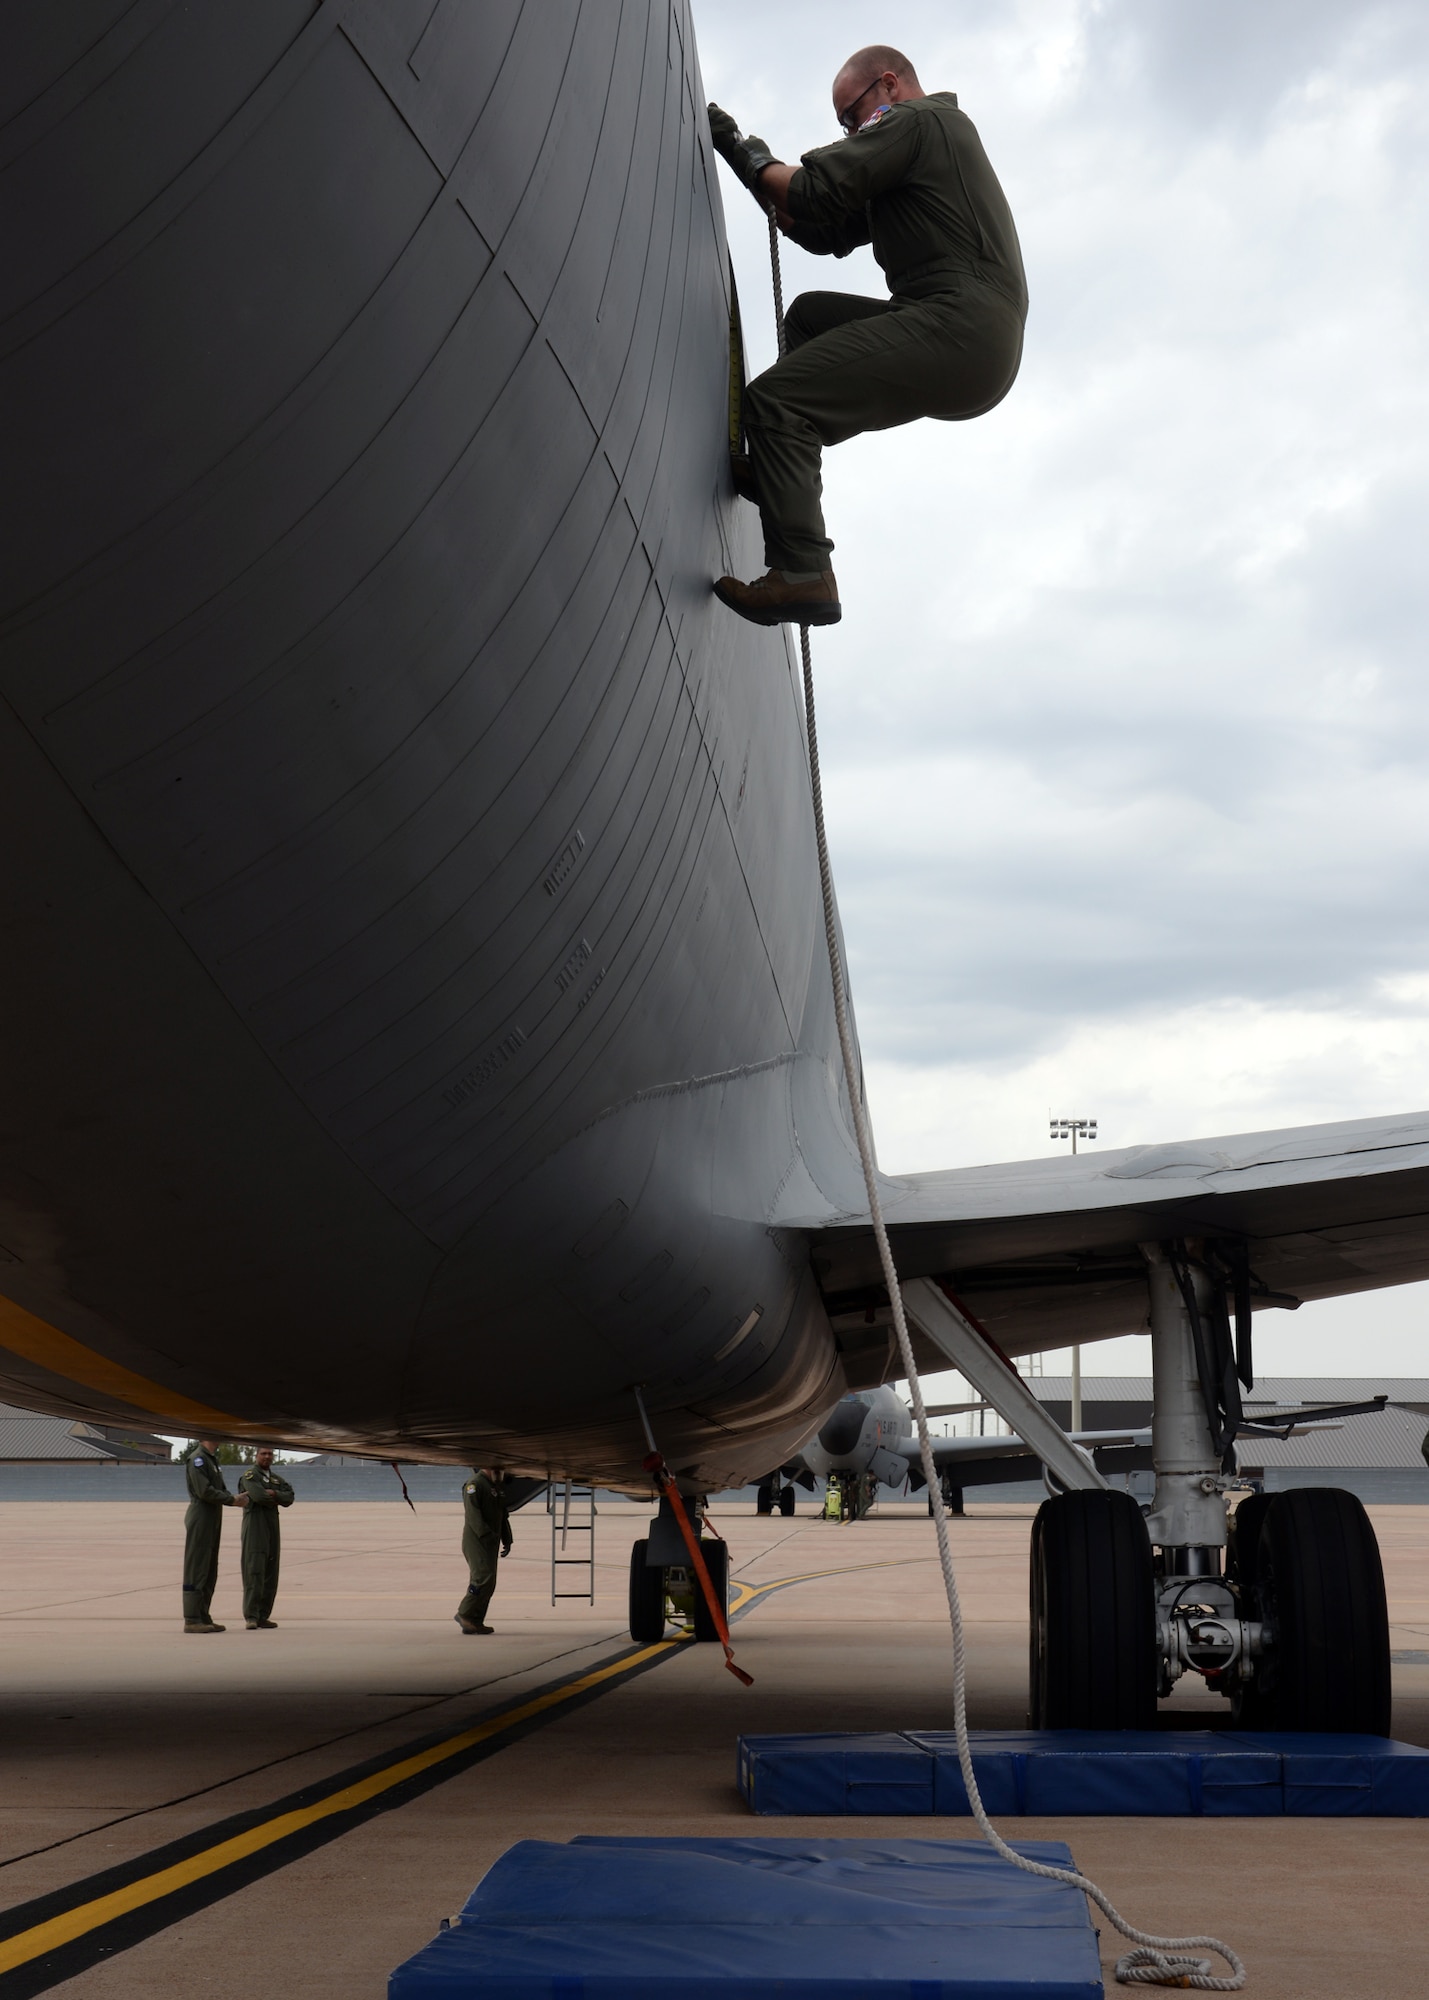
(877, 118)
(198, 1460)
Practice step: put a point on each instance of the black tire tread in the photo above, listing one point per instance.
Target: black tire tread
(1320, 1574)
(716, 1555)
(1243, 1540)
(1094, 1598)
(647, 1598)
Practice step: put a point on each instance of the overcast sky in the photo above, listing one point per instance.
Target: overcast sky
(1126, 728)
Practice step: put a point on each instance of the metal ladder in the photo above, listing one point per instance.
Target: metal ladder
(572, 1510)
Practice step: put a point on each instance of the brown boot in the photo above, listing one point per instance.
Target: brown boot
(773, 600)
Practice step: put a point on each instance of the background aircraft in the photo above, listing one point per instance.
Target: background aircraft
(870, 1435)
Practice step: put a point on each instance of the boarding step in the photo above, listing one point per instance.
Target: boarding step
(751, 1919)
(572, 1510)
(1161, 1774)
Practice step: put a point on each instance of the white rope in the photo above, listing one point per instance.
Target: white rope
(1159, 1961)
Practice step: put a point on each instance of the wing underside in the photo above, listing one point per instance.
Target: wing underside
(1045, 1252)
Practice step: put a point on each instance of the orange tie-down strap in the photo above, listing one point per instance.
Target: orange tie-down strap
(660, 1472)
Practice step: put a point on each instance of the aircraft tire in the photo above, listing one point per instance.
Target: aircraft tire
(716, 1555)
(1243, 1547)
(1250, 1705)
(1093, 1603)
(764, 1500)
(786, 1501)
(1321, 1583)
(647, 1598)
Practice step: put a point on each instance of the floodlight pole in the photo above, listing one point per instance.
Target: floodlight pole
(1068, 1128)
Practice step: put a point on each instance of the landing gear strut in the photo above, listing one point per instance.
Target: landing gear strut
(1284, 1611)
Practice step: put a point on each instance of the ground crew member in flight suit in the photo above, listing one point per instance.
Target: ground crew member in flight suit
(203, 1526)
(485, 1525)
(912, 179)
(267, 1491)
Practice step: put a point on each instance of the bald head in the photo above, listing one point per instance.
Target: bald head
(854, 91)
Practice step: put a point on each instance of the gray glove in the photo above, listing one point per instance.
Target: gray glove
(747, 157)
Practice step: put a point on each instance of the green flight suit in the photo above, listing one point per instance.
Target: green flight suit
(262, 1540)
(916, 184)
(485, 1526)
(203, 1526)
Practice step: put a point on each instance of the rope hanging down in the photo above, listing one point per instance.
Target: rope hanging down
(1159, 1961)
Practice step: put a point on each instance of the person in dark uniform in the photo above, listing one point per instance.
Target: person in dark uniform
(266, 1491)
(203, 1527)
(912, 179)
(486, 1525)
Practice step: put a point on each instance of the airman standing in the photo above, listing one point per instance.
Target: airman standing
(203, 1527)
(485, 1525)
(266, 1491)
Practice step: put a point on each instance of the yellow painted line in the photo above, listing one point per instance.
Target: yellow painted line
(757, 1590)
(36, 1340)
(64, 1929)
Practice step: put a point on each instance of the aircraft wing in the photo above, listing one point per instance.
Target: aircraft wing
(950, 1452)
(1044, 1251)
(987, 1460)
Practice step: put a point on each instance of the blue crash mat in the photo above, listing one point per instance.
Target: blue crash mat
(599, 1919)
(1170, 1774)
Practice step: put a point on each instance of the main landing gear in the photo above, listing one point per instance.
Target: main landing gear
(775, 1495)
(664, 1589)
(1282, 1608)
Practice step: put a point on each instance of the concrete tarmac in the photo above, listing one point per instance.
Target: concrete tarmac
(121, 1733)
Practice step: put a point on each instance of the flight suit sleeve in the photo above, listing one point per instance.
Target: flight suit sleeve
(251, 1483)
(835, 238)
(829, 195)
(283, 1493)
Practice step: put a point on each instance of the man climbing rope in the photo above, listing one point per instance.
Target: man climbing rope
(912, 179)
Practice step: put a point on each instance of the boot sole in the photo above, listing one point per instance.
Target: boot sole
(822, 613)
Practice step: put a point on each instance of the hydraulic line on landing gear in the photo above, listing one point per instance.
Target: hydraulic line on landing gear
(1159, 1961)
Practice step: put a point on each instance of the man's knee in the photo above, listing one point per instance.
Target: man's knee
(767, 409)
